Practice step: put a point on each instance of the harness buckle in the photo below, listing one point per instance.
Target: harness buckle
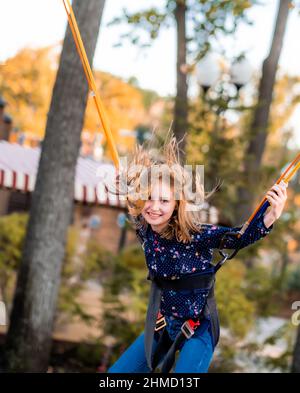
(160, 323)
(187, 327)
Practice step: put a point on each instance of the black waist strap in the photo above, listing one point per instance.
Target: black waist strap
(188, 281)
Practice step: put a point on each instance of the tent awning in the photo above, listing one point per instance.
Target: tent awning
(18, 169)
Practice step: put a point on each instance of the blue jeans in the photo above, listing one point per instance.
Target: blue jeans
(195, 354)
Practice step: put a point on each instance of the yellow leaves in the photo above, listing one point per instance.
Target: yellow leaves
(27, 80)
(26, 83)
(297, 200)
(284, 102)
(292, 245)
(123, 104)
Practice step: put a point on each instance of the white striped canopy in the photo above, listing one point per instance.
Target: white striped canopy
(18, 169)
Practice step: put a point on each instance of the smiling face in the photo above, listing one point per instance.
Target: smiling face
(159, 208)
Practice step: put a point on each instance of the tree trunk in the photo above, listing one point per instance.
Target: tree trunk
(181, 101)
(283, 268)
(259, 126)
(29, 337)
(296, 356)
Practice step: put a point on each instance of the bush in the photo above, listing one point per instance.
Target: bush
(12, 234)
(262, 289)
(292, 282)
(236, 311)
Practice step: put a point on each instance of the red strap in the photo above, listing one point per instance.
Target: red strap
(193, 323)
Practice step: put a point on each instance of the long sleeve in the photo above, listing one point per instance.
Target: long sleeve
(256, 231)
(138, 227)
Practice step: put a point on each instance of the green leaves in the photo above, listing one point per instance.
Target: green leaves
(205, 20)
(12, 233)
(148, 21)
(236, 311)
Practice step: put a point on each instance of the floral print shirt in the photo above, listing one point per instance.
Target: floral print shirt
(170, 259)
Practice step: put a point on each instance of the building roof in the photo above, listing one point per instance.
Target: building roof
(18, 169)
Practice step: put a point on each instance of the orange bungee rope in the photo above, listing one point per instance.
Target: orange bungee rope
(91, 81)
(260, 209)
(286, 177)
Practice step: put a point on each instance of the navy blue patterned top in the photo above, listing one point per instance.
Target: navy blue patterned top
(168, 258)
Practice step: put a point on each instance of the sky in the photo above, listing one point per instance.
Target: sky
(37, 23)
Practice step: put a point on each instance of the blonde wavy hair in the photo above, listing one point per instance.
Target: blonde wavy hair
(166, 160)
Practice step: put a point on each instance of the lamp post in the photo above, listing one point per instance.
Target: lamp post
(208, 71)
(215, 77)
(241, 72)
(220, 85)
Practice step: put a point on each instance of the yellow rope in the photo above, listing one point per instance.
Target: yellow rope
(286, 177)
(91, 81)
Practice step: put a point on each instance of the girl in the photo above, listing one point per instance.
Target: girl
(175, 243)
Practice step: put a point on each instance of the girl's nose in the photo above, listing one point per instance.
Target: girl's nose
(155, 205)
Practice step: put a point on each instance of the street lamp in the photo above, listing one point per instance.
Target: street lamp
(208, 71)
(241, 72)
(220, 85)
(211, 69)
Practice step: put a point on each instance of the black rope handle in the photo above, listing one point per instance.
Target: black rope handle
(227, 256)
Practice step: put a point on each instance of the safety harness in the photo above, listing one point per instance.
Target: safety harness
(155, 326)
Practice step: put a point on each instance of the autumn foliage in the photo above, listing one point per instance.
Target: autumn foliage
(26, 82)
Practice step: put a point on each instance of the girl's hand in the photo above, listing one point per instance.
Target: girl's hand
(277, 196)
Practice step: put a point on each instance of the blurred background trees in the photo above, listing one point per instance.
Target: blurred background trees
(225, 126)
